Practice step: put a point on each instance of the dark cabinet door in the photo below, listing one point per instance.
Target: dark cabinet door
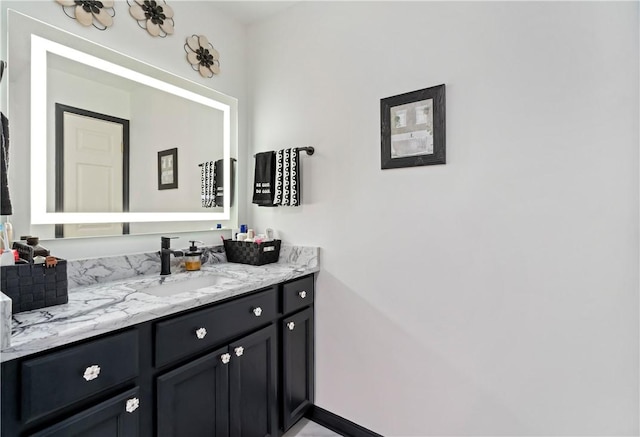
(252, 385)
(117, 417)
(193, 400)
(297, 366)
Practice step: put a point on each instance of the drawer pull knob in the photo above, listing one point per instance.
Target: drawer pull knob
(291, 325)
(257, 311)
(91, 372)
(201, 333)
(132, 405)
(239, 351)
(225, 358)
(302, 294)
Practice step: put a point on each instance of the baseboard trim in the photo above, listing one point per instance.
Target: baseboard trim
(337, 424)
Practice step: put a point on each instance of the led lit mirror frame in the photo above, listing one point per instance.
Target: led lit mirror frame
(40, 47)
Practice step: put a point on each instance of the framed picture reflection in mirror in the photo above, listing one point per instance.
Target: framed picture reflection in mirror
(168, 169)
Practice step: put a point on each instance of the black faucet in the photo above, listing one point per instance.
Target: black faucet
(165, 255)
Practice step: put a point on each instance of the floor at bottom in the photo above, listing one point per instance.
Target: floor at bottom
(307, 428)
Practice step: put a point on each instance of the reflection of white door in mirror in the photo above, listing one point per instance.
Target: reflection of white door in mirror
(93, 170)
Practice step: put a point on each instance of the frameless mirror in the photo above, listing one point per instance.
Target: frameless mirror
(128, 139)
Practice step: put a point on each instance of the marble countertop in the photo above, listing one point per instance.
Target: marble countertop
(104, 307)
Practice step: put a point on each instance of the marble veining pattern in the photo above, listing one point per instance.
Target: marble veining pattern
(298, 255)
(114, 268)
(104, 307)
(5, 320)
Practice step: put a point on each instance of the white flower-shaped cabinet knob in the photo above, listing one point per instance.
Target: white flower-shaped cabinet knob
(91, 372)
(201, 333)
(132, 405)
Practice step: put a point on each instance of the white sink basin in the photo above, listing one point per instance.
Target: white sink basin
(168, 286)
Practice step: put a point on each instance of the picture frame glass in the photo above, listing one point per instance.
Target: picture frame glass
(412, 129)
(166, 174)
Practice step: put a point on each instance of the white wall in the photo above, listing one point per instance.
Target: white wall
(191, 17)
(493, 295)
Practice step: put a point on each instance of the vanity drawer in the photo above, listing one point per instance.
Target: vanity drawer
(195, 332)
(118, 416)
(297, 294)
(61, 378)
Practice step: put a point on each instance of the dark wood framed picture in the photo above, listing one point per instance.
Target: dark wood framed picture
(168, 169)
(412, 128)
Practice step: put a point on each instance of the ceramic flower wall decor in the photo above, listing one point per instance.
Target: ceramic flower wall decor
(202, 56)
(90, 12)
(154, 16)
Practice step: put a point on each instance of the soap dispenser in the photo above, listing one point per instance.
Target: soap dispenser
(192, 260)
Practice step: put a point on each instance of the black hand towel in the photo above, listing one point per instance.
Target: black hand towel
(5, 200)
(264, 178)
(218, 175)
(218, 172)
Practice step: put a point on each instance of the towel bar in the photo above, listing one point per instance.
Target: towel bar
(309, 149)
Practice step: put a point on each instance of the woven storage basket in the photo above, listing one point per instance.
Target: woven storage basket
(33, 286)
(255, 254)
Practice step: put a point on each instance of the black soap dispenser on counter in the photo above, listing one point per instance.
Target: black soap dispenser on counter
(193, 257)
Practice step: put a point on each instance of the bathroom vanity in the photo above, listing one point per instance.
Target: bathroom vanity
(232, 358)
(227, 350)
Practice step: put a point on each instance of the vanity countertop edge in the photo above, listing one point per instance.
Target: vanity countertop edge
(101, 308)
